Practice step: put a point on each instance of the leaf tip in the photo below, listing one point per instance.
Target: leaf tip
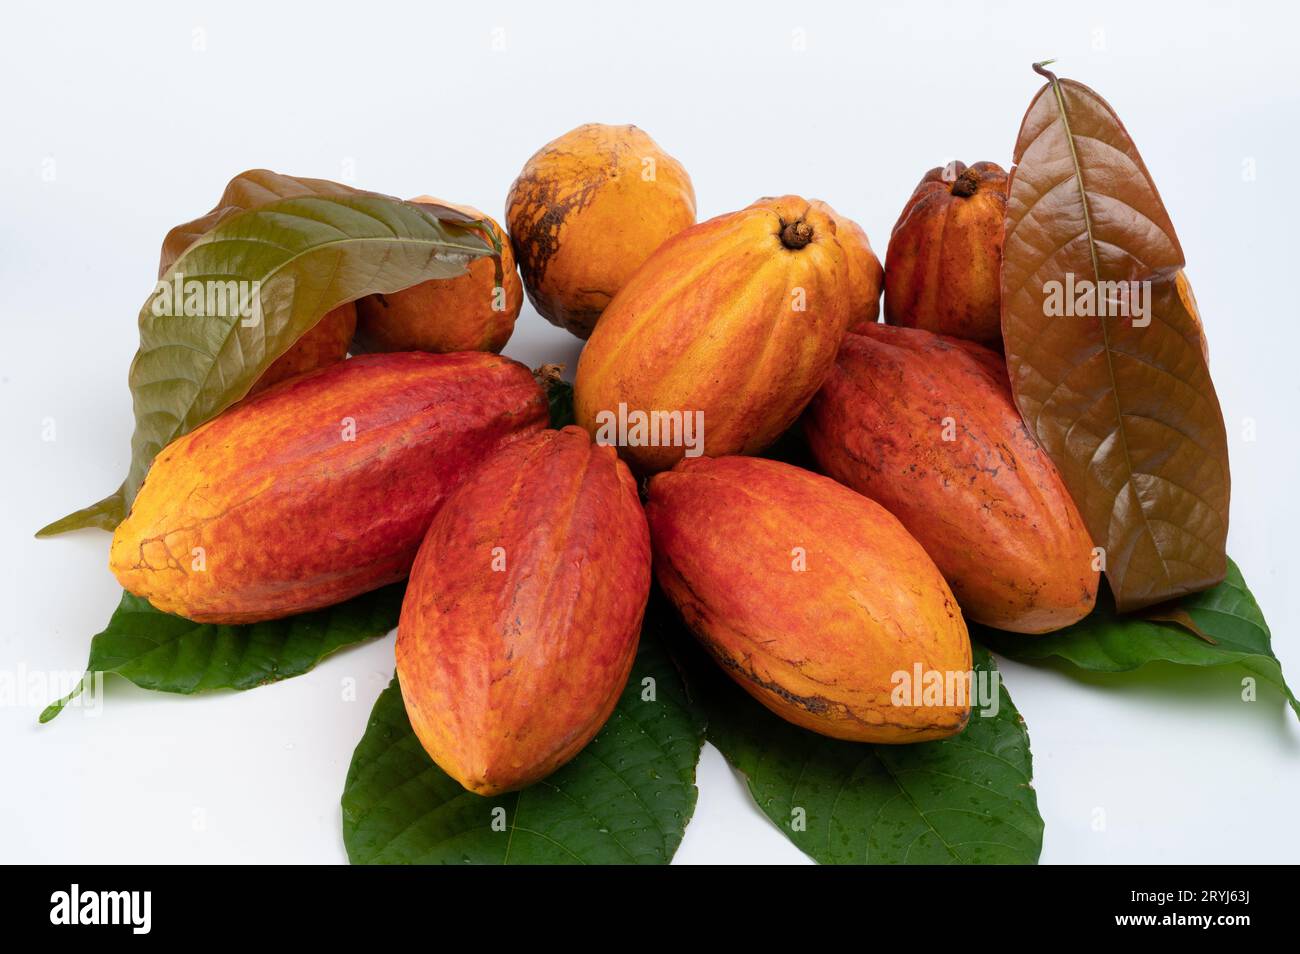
(1039, 69)
(104, 514)
(56, 527)
(54, 708)
(51, 711)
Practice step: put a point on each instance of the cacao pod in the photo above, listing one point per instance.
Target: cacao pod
(586, 211)
(522, 615)
(467, 313)
(1183, 285)
(811, 597)
(925, 425)
(321, 345)
(319, 489)
(731, 326)
(944, 257)
(866, 276)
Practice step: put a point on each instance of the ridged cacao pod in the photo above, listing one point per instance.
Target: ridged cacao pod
(866, 275)
(734, 323)
(813, 598)
(944, 257)
(586, 211)
(522, 615)
(319, 489)
(321, 345)
(925, 425)
(465, 313)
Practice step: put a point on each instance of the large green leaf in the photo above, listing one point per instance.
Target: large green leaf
(964, 800)
(308, 246)
(167, 653)
(1106, 642)
(625, 799)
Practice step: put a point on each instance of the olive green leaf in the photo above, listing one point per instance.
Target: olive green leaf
(270, 270)
(103, 514)
(625, 798)
(156, 650)
(964, 800)
(1105, 641)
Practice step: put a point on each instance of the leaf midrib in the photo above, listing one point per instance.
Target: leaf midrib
(1105, 333)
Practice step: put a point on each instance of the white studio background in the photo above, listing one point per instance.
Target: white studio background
(120, 120)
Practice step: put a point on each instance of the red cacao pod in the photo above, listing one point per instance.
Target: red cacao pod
(319, 489)
(521, 619)
(944, 256)
(813, 598)
(925, 425)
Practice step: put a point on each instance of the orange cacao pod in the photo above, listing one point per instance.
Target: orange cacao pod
(926, 426)
(319, 489)
(865, 273)
(813, 598)
(733, 324)
(467, 313)
(521, 619)
(323, 344)
(586, 211)
(945, 253)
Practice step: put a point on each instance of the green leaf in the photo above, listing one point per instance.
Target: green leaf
(102, 515)
(964, 800)
(625, 798)
(169, 654)
(306, 246)
(559, 394)
(1105, 641)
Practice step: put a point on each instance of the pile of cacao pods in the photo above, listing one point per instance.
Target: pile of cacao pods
(531, 551)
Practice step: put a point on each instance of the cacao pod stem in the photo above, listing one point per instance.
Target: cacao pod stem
(966, 185)
(795, 235)
(548, 374)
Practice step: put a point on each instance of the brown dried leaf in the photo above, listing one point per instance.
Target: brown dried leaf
(1124, 406)
(1174, 613)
